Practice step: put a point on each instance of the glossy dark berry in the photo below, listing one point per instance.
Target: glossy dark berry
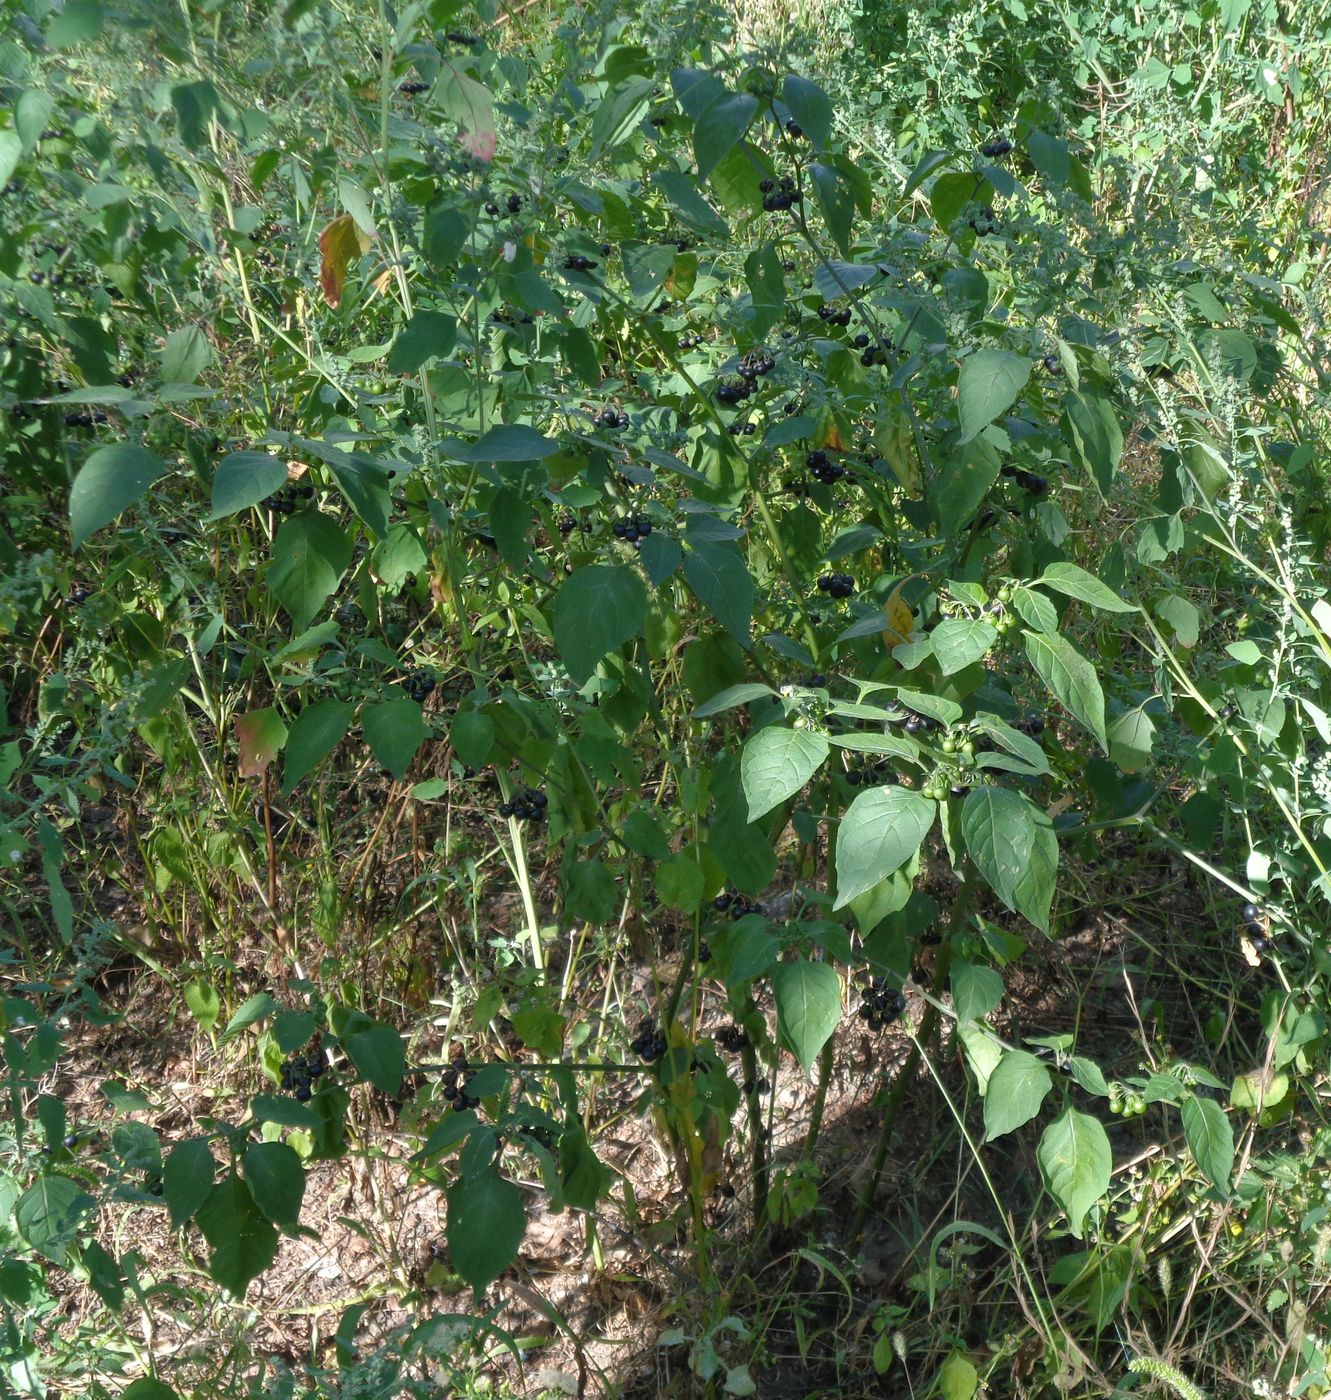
(514, 203)
(1251, 912)
(491, 207)
(994, 149)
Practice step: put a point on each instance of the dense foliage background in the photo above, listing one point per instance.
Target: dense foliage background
(667, 682)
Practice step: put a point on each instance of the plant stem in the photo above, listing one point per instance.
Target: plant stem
(928, 1026)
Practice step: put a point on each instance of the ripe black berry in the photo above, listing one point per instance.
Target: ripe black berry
(412, 88)
(514, 203)
(576, 262)
(649, 1044)
(994, 149)
(1251, 912)
(793, 128)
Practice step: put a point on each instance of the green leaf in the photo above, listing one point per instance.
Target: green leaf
(48, 1215)
(836, 203)
(313, 735)
(253, 1009)
(1017, 1088)
(962, 483)
(32, 115)
(291, 1029)
(1035, 610)
(203, 1002)
(957, 1378)
(1071, 678)
(1013, 845)
(718, 128)
(1210, 1139)
(11, 152)
(808, 1006)
(590, 892)
(244, 479)
(75, 24)
(1049, 156)
(598, 609)
(880, 832)
(1131, 736)
(394, 730)
(137, 1146)
(680, 882)
(473, 736)
(1077, 583)
(776, 763)
(185, 355)
(509, 442)
(399, 553)
(112, 478)
(427, 336)
(486, 1223)
(810, 106)
(976, 990)
(959, 642)
(692, 208)
(148, 1388)
(378, 1055)
(242, 1241)
(1094, 429)
(1075, 1161)
(716, 572)
(731, 696)
(276, 1180)
(988, 385)
(310, 555)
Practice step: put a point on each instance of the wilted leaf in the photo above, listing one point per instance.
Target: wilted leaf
(340, 244)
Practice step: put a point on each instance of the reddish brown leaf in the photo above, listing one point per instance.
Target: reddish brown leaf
(259, 737)
(340, 244)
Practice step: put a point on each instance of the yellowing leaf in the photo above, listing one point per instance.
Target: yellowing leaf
(339, 244)
(898, 615)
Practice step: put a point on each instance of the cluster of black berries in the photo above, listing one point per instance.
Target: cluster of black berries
(869, 774)
(470, 40)
(834, 315)
(418, 683)
(1052, 364)
(410, 89)
(636, 528)
(456, 1093)
(734, 390)
(742, 429)
(985, 222)
(1031, 724)
(513, 203)
(19, 412)
(1028, 481)
(735, 904)
(873, 356)
(921, 724)
(823, 468)
(300, 1071)
(994, 149)
(284, 502)
(756, 362)
(505, 317)
(733, 1038)
(815, 680)
(836, 585)
(649, 1044)
(687, 342)
(579, 262)
(84, 419)
(567, 525)
(612, 418)
(528, 805)
(882, 1005)
(1255, 928)
(778, 194)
